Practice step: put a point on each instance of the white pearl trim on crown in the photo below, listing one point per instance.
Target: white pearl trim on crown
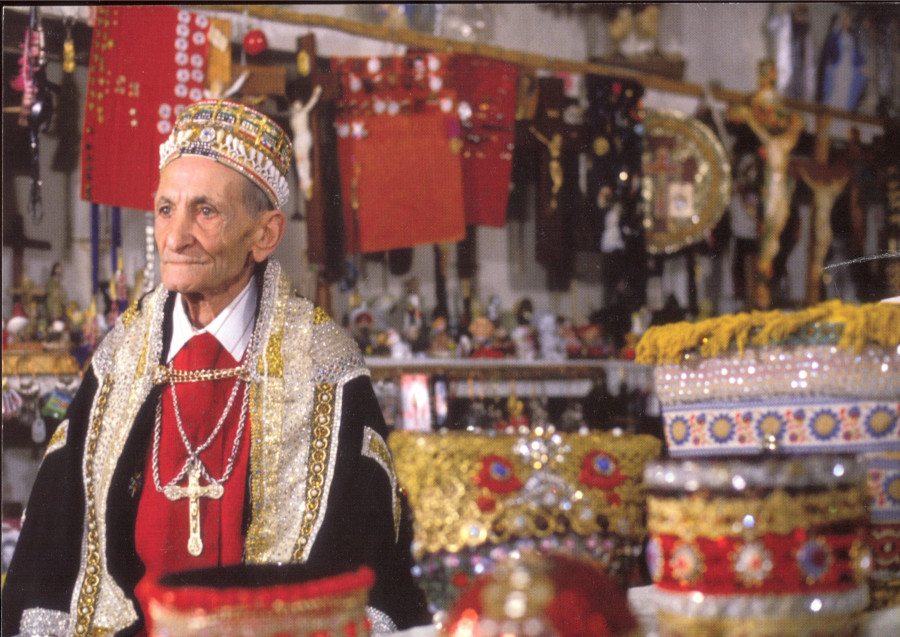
(254, 163)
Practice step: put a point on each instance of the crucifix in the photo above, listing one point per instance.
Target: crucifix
(193, 491)
(779, 130)
(827, 182)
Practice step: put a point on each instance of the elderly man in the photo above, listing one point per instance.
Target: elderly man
(223, 421)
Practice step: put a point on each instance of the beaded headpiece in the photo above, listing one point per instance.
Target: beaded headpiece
(477, 498)
(265, 600)
(238, 137)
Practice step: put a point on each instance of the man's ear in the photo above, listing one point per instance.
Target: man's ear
(269, 231)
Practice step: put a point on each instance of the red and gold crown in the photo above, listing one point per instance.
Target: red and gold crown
(237, 136)
(758, 546)
(261, 600)
(823, 379)
(478, 498)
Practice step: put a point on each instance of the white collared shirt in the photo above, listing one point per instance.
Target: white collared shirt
(232, 327)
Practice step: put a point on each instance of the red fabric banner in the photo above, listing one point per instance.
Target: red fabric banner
(147, 64)
(487, 112)
(399, 151)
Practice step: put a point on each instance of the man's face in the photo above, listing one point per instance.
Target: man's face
(204, 234)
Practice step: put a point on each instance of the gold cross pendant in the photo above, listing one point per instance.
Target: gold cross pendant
(193, 491)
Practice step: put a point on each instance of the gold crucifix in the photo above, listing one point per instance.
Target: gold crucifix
(193, 491)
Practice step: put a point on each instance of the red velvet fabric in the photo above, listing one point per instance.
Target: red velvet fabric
(147, 63)
(162, 529)
(399, 142)
(489, 89)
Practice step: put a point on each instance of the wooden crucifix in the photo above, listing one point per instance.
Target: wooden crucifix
(827, 182)
(312, 96)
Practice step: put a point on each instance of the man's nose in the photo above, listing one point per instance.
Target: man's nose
(180, 229)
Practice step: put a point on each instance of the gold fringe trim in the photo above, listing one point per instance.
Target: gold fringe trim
(877, 323)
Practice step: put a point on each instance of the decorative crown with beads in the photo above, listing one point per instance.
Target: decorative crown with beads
(237, 136)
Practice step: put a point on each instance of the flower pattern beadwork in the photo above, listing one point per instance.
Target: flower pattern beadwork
(686, 563)
(814, 559)
(825, 424)
(498, 475)
(722, 428)
(601, 470)
(679, 431)
(771, 424)
(881, 421)
(753, 563)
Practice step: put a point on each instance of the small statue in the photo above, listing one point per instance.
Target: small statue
(779, 129)
(303, 140)
(55, 294)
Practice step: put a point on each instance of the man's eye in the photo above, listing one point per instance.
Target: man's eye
(207, 211)
(163, 211)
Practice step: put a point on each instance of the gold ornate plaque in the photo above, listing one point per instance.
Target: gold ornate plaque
(686, 182)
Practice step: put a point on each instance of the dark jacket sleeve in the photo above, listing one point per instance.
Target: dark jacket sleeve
(359, 521)
(48, 552)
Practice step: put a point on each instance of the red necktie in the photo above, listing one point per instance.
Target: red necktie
(163, 529)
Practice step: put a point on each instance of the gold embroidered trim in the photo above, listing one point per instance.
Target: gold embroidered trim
(87, 597)
(375, 447)
(323, 423)
(320, 316)
(829, 625)
(58, 439)
(779, 512)
(129, 315)
(273, 365)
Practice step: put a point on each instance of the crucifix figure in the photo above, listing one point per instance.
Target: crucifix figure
(779, 130)
(303, 140)
(827, 182)
(554, 147)
(193, 491)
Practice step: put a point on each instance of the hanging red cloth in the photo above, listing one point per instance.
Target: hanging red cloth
(487, 111)
(147, 64)
(398, 145)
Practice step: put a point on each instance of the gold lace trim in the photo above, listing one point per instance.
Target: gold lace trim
(691, 516)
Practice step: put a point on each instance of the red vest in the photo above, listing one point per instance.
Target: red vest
(162, 529)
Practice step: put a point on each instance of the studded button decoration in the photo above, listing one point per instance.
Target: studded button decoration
(147, 64)
(737, 541)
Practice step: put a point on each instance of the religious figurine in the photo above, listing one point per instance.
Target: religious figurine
(843, 65)
(303, 140)
(779, 129)
(523, 334)
(554, 147)
(413, 318)
(551, 346)
(793, 50)
(827, 182)
(441, 345)
(55, 298)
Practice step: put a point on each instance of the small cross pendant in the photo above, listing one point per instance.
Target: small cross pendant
(193, 491)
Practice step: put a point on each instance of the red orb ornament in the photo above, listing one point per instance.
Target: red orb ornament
(255, 42)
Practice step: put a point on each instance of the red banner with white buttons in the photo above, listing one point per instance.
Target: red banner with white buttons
(147, 64)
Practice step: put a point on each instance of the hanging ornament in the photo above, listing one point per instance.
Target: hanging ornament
(69, 48)
(255, 42)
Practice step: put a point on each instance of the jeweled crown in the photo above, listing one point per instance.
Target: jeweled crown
(237, 136)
